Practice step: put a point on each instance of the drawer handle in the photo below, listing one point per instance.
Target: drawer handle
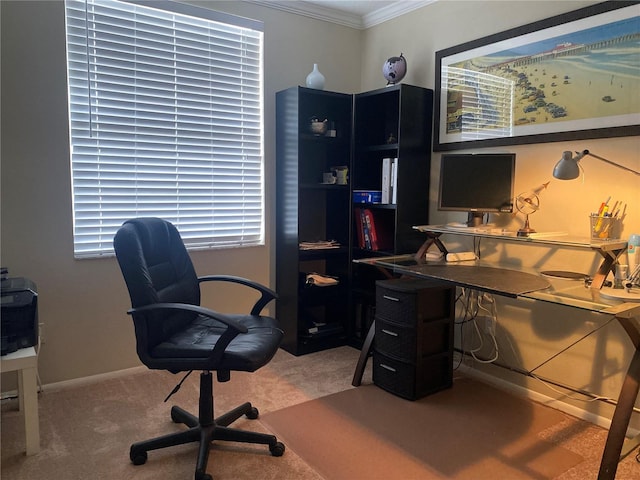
(391, 369)
(393, 299)
(388, 332)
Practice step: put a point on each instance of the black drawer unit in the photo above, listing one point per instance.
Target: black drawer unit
(413, 347)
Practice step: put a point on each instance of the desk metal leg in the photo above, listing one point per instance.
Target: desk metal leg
(620, 420)
(627, 317)
(364, 355)
(607, 265)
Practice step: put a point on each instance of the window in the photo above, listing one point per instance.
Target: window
(165, 111)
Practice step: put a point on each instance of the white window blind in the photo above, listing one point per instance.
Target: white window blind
(165, 109)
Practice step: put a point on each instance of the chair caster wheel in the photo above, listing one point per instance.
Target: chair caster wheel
(277, 450)
(253, 413)
(138, 457)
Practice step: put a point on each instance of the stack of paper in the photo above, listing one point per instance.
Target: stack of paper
(319, 245)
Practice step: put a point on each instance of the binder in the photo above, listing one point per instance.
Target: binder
(394, 181)
(386, 180)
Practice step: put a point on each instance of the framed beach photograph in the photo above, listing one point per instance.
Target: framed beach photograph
(569, 77)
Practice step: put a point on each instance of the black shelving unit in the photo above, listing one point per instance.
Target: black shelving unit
(392, 122)
(313, 317)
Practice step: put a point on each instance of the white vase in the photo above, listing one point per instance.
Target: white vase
(315, 79)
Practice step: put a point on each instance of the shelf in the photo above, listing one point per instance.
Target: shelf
(324, 186)
(322, 138)
(382, 147)
(314, 254)
(324, 331)
(385, 206)
(537, 238)
(363, 252)
(610, 250)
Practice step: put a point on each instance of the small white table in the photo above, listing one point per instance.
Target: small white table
(25, 361)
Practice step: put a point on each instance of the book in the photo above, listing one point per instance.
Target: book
(357, 215)
(371, 227)
(379, 232)
(365, 230)
(386, 180)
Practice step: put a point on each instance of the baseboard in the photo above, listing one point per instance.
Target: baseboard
(572, 410)
(56, 386)
(75, 382)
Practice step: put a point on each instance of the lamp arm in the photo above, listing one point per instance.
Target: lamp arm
(587, 152)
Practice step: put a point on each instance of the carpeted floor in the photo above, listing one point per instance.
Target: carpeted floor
(86, 429)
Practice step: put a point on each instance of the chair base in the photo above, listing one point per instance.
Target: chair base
(205, 429)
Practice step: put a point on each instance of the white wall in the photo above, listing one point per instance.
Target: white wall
(528, 332)
(82, 303)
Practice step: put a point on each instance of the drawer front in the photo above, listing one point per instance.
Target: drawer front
(397, 341)
(412, 381)
(398, 307)
(396, 377)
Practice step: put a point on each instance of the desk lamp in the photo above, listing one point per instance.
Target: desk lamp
(568, 167)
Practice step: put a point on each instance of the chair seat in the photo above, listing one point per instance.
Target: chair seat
(247, 352)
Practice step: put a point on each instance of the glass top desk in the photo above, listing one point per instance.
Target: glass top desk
(514, 282)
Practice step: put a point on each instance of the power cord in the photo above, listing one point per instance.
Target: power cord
(471, 302)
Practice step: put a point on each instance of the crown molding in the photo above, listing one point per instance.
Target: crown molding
(346, 19)
(392, 11)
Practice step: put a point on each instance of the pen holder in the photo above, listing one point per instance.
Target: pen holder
(604, 228)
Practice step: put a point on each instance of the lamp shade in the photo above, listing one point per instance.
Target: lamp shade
(567, 167)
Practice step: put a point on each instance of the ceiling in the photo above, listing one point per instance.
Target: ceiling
(351, 13)
(357, 7)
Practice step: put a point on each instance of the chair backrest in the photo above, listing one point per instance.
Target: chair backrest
(157, 269)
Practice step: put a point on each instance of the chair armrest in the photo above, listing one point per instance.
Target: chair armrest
(221, 345)
(221, 317)
(266, 293)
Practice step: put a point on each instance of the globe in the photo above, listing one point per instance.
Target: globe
(394, 69)
(527, 203)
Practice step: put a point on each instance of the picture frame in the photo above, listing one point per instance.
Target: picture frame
(569, 77)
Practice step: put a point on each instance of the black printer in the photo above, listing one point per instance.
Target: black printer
(18, 314)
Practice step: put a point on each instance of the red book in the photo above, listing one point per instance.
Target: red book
(372, 229)
(365, 229)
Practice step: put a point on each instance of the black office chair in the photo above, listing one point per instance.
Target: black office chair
(174, 333)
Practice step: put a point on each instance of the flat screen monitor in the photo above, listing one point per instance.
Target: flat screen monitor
(477, 184)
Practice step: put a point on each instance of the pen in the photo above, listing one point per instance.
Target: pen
(603, 212)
